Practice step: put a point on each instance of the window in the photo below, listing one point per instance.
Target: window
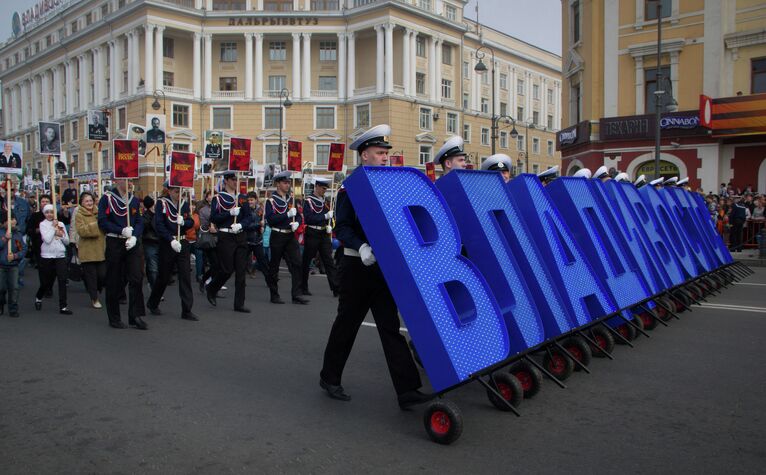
(328, 50)
(503, 81)
(650, 85)
(168, 78)
(277, 5)
(504, 139)
(63, 134)
(228, 52)
(325, 118)
(321, 154)
(550, 96)
(49, 40)
(88, 18)
(121, 118)
(466, 99)
(520, 87)
(420, 46)
(650, 9)
(450, 12)
(446, 54)
(446, 89)
(485, 78)
(362, 116)
(466, 70)
(328, 83)
(550, 148)
(271, 117)
(180, 147)
(222, 117)
(420, 83)
(484, 136)
(467, 133)
(120, 3)
(227, 84)
(124, 82)
(574, 10)
(180, 116)
(503, 108)
(168, 48)
(104, 10)
(536, 117)
(520, 113)
(88, 161)
(425, 118)
(484, 105)
(535, 91)
(28, 141)
(550, 122)
(277, 51)
(324, 5)
(451, 123)
(574, 103)
(425, 154)
(277, 83)
(75, 129)
(535, 168)
(105, 159)
(73, 26)
(520, 143)
(536, 146)
(271, 152)
(424, 4)
(758, 75)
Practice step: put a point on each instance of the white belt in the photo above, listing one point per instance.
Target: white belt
(319, 228)
(283, 231)
(350, 252)
(120, 236)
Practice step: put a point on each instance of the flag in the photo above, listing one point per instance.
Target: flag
(125, 154)
(239, 155)
(335, 162)
(182, 169)
(294, 155)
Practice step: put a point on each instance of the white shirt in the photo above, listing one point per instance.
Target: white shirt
(53, 247)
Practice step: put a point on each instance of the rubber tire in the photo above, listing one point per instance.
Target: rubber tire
(415, 355)
(507, 385)
(661, 311)
(443, 422)
(603, 336)
(559, 365)
(648, 320)
(684, 299)
(530, 378)
(579, 348)
(627, 331)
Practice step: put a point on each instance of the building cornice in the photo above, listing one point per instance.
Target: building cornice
(741, 39)
(646, 49)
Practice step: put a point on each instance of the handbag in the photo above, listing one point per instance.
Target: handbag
(74, 271)
(206, 240)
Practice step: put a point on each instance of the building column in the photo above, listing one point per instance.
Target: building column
(674, 73)
(437, 75)
(57, 96)
(306, 69)
(351, 84)
(639, 85)
(528, 107)
(98, 67)
(148, 55)
(431, 68)
(413, 62)
(83, 65)
(544, 102)
(296, 53)
(341, 66)
(497, 88)
(159, 62)
(133, 67)
(258, 65)
(379, 60)
(208, 65)
(406, 61)
(34, 96)
(512, 100)
(12, 115)
(248, 66)
(23, 116)
(557, 106)
(70, 89)
(113, 91)
(389, 72)
(197, 65)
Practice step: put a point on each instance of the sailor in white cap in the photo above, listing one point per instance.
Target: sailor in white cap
(363, 288)
(640, 181)
(622, 176)
(657, 182)
(683, 182)
(548, 175)
(317, 238)
(451, 156)
(583, 173)
(602, 173)
(499, 162)
(670, 181)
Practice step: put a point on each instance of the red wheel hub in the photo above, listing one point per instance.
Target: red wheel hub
(525, 379)
(646, 318)
(575, 351)
(557, 365)
(600, 341)
(623, 330)
(505, 391)
(440, 422)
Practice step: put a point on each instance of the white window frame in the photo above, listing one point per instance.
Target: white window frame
(263, 116)
(551, 149)
(536, 92)
(503, 139)
(191, 117)
(231, 113)
(485, 138)
(446, 87)
(504, 81)
(283, 49)
(450, 12)
(535, 145)
(431, 118)
(430, 148)
(369, 109)
(117, 117)
(520, 143)
(334, 116)
(316, 154)
(520, 86)
(457, 122)
(72, 134)
(327, 50)
(484, 105)
(267, 144)
(466, 140)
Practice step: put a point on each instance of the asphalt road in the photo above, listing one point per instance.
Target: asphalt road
(239, 393)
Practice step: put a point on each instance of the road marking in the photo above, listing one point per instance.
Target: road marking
(739, 308)
(370, 324)
(749, 283)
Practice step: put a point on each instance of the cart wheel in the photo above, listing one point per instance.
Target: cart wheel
(627, 332)
(680, 300)
(578, 348)
(648, 320)
(509, 387)
(604, 339)
(661, 311)
(443, 422)
(557, 364)
(415, 353)
(531, 378)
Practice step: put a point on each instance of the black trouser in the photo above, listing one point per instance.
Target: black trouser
(316, 240)
(285, 245)
(94, 277)
(363, 288)
(735, 234)
(167, 258)
(51, 269)
(232, 256)
(211, 261)
(123, 265)
(263, 264)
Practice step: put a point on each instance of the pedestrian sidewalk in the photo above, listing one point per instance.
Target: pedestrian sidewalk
(749, 257)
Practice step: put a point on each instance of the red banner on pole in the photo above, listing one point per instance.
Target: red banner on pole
(335, 162)
(294, 155)
(243, 187)
(431, 171)
(182, 169)
(125, 154)
(397, 160)
(239, 155)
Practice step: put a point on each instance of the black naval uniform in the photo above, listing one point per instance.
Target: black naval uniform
(123, 264)
(166, 227)
(316, 239)
(283, 244)
(363, 288)
(231, 249)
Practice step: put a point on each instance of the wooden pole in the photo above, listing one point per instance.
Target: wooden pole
(296, 211)
(52, 167)
(98, 166)
(127, 202)
(178, 232)
(236, 195)
(8, 232)
(157, 149)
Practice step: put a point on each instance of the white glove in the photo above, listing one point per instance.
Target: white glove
(130, 243)
(180, 220)
(329, 229)
(127, 231)
(61, 225)
(294, 226)
(175, 245)
(329, 215)
(234, 211)
(236, 228)
(292, 212)
(365, 252)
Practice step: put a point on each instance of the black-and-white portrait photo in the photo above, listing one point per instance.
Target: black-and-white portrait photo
(137, 132)
(10, 157)
(50, 137)
(214, 144)
(155, 129)
(98, 125)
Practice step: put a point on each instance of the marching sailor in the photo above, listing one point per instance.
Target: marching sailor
(602, 173)
(167, 220)
(363, 288)
(657, 183)
(683, 182)
(499, 162)
(622, 176)
(230, 212)
(672, 181)
(123, 254)
(640, 181)
(548, 175)
(317, 215)
(583, 173)
(451, 156)
(284, 220)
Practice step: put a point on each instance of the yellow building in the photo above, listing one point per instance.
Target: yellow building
(711, 48)
(221, 64)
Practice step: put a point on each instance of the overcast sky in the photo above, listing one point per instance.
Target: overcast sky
(535, 21)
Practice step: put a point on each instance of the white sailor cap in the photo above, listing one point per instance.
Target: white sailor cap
(657, 181)
(549, 174)
(285, 175)
(622, 176)
(320, 181)
(640, 181)
(451, 148)
(582, 173)
(671, 181)
(682, 181)
(376, 136)
(601, 172)
(497, 162)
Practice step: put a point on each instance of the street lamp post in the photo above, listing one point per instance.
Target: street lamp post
(514, 134)
(156, 106)
(660, 94)
(482, 68)
(284, 102)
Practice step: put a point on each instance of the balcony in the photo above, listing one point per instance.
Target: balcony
(228, 94)
(364, 91)
(179, 3)
(324, 93)
(178, 91)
